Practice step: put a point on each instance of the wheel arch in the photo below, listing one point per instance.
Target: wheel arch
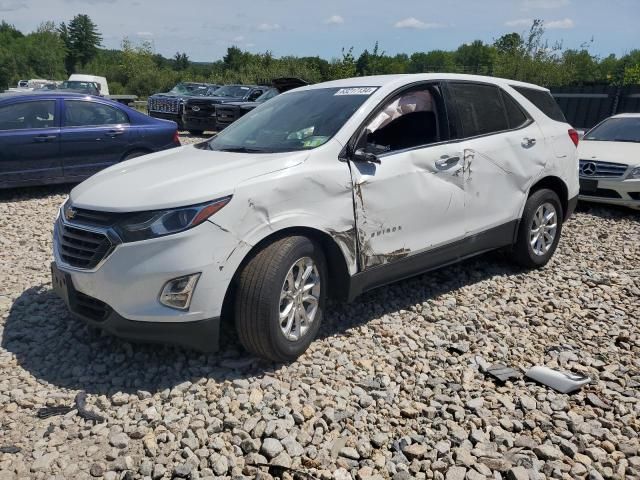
(141, 150)
(337, 266)
(557, 185)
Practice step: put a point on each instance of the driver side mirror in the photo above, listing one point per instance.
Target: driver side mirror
(361, 155)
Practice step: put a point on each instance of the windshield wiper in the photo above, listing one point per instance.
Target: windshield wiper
(242, 150)
(625, 140)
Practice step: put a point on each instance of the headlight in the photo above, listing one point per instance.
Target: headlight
(158, 223)
(635, 173)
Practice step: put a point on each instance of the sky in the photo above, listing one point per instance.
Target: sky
(204, 29)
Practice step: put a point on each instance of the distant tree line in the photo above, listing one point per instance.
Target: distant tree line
(55, 51)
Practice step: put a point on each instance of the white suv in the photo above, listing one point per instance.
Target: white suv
(325, 191)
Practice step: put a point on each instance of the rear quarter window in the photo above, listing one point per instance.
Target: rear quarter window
(515, 115)
(543, 100)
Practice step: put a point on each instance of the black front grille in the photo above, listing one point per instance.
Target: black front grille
(81, 248)
(200, 108)
(227, 114)
(89, 307)
(601, 192)
(93, 217)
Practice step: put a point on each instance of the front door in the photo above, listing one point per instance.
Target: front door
(413, 199)
(94, 136)
(29, 142)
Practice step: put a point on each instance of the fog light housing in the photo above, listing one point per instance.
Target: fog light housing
(177, 292)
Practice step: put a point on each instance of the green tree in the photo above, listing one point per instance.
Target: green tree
(475, 57)
(181, 61)
(82, 40)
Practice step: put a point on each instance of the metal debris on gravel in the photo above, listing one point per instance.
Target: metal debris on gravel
(380, 383)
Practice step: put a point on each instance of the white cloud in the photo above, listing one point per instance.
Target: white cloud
(268, 27)
(519, 22)
(414, 23)
(529, 4)
(559, 24)
(144, 34)
(11, 6)
(239, 38)
(334, 20)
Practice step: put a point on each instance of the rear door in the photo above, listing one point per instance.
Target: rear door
(29, 141)
(503, 149)
(94, 135)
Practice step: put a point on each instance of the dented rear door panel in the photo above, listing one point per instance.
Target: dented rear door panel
(407, 204)
(499, 170)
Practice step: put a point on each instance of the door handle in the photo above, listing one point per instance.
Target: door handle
(114, 133)
(446, 162)
(528, 142)
(44, 138)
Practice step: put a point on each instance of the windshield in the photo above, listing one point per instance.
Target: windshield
(84, 87)
(233, 91)
(272, 92)
(184, 88)
(616, 130)
(294, 121)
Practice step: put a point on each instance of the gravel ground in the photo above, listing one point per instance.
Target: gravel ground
(393, 388)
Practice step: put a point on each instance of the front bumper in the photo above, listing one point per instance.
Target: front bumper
(200, 123)
(175, 117)
(200, 335)
(614, 192)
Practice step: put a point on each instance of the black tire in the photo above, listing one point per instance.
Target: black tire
(257, 300)
(137, 153)
(523, 252)
(196, 132)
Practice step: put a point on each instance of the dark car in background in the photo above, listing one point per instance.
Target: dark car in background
(58, 137)
(200, 113)
(227, 113)
(170, 105)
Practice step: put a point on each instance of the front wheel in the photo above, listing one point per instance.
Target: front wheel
(539, 230)
(280, 298)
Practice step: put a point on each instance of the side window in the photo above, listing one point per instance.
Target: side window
(479, 108)
(515, 115)
(254, 95)
(27, 115)
(406, 121)
(79, 113)
(543, 100)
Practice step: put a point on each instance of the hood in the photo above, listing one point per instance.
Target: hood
(617, 152)
(217, 99)
(174, 178)
(243, 104)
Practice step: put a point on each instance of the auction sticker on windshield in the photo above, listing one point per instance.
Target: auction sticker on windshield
(356, 91)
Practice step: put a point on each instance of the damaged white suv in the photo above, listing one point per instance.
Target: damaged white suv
(325, 191)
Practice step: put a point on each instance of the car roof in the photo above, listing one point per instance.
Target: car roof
(402, 79)
(53, 93)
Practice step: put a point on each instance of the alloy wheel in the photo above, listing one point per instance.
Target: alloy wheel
(299, 299)
(543, 228)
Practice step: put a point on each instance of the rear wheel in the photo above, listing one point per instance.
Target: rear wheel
(539, 230)
(280, 298)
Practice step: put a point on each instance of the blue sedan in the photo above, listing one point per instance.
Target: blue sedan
(58, 137)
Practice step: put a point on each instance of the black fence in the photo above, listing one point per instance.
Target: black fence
(585, 106)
